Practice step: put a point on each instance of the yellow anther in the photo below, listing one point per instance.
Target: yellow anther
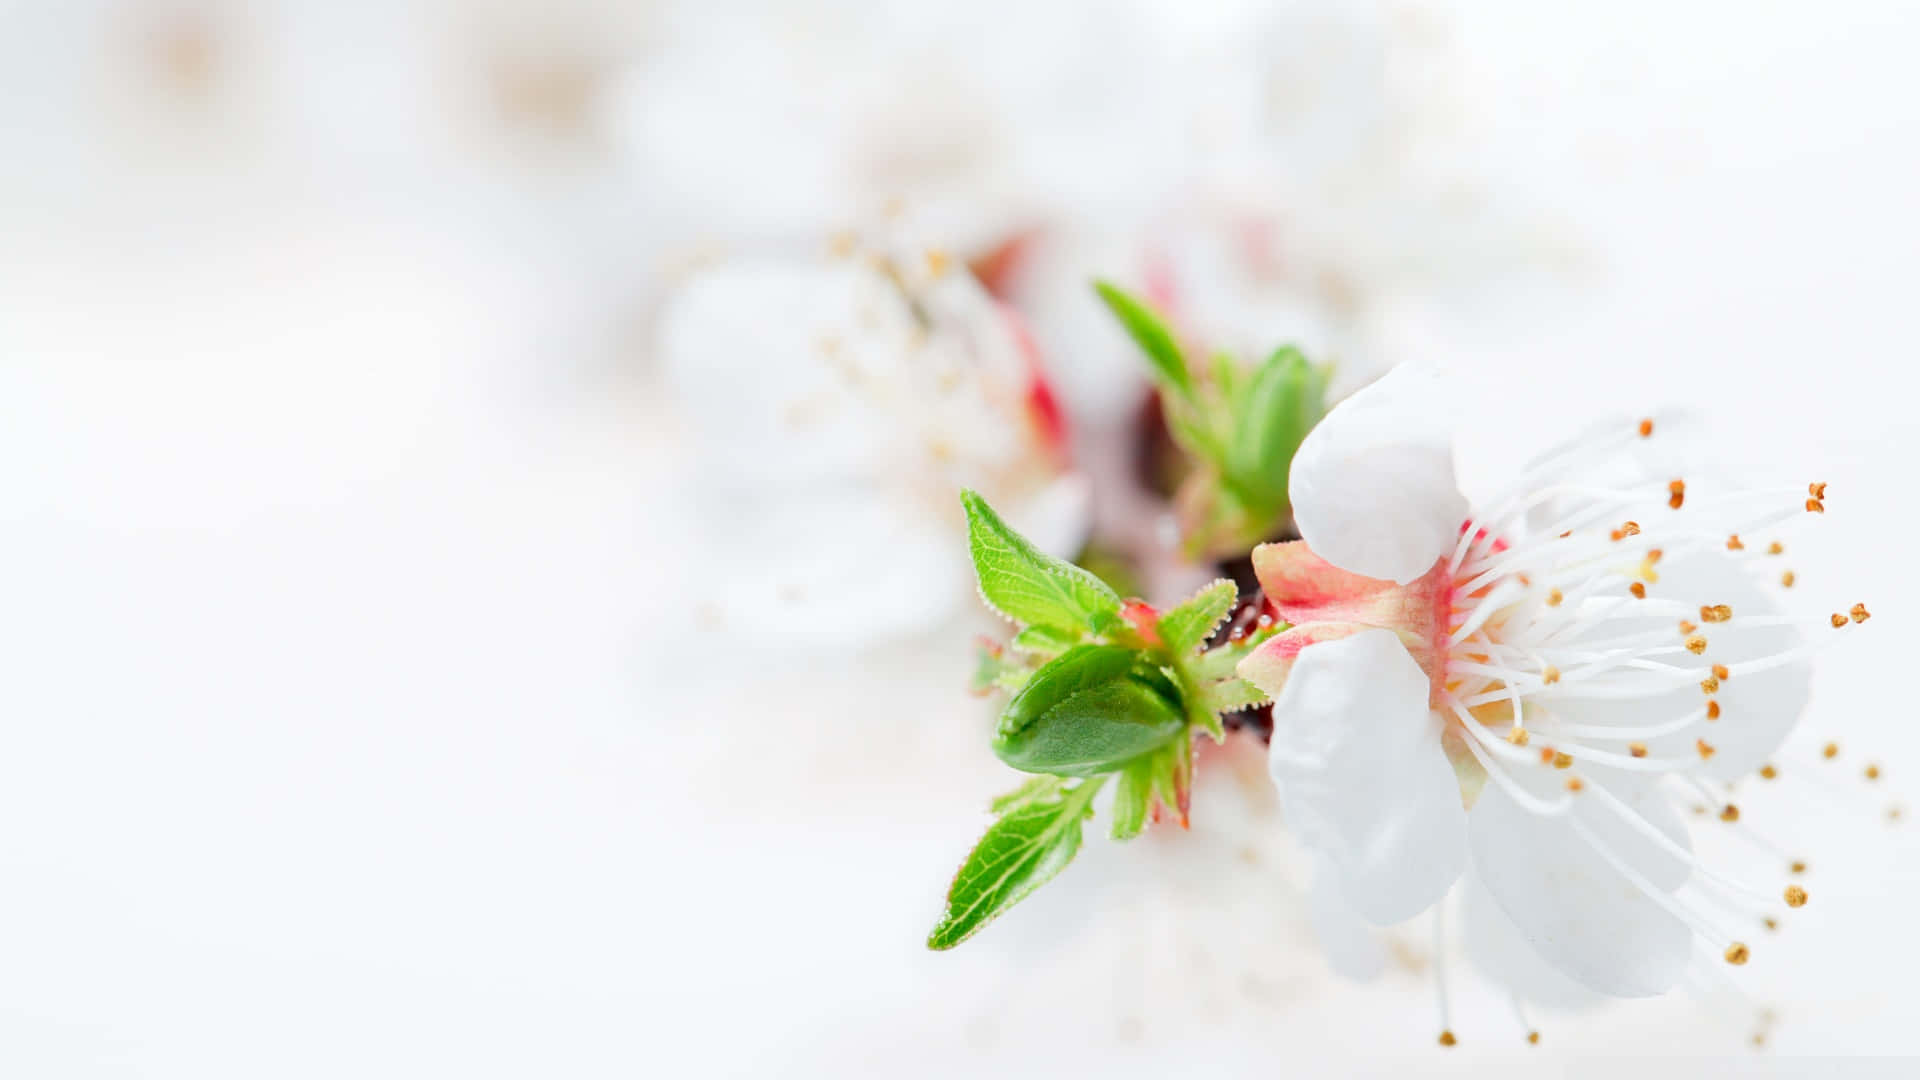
(1715, 613)
(1798, 866)
(1549, 675)
(1533, 1038)
(1771, 923)
(1796, 896)
(1838, 620)
(1734, 544)
(1786, 580)
(1737, 953)
(1518, 736)
(1776, 548)
(1638, 749)
(937, 261)
(1859, 613)
(1768, 772)
(1873, 772)
(1687, 627)
(1705, 748)
(1696, 645)
(1713, 710)
(1447, 1039)
(1710, 685)
(1646, 429)
(1818, 491)
(1554, 598)
(1638, 590)
(1720, 672)
(1729, 813)
(1574, 784)
(1815, 506)
(1546, 755)
(1561, 760)
(1653, 555)
(1830, 751)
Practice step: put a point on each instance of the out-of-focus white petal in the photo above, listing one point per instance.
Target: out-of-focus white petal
(1757, 709)
(1353, 947)
(1056, 517)
(1362, 779)
(1373, 487)
(1502, 953)
(1578, 912)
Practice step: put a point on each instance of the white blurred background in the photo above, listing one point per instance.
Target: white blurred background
(379, 694)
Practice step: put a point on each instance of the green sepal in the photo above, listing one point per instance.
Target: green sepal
(1221, 661)
(1033, 841)
(1132, 791)
(1088, 710)
(1231, 695)
(990, 664)
(1151, 335)
(1186, 626)
(1030, 586)
(1171, 777)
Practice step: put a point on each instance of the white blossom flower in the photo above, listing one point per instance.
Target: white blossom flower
(836, 404)
(1516, 693)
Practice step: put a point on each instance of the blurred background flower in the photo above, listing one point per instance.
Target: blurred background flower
(400, 504)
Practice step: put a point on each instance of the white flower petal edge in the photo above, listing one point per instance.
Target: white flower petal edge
(1560, 879)
(1362, 778)
(1497, 948)
(1353, 946)
(1373, 486)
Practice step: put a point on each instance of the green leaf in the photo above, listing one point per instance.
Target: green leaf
(1036, 789)
(1279, 407)
(1131, 794)
(1151, 335)
(1189, 624)
(1028, 585)
(1043, 641)
(1090, 709)
(1031, 843)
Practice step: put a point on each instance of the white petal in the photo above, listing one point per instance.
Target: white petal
(1057, 517)
(1757, 710)
(1583, 916)
(1502, 953)
(1373, 487)
(1356, 756)
(1353, 947)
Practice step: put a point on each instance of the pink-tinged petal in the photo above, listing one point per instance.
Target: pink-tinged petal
(1304, 588)
(1268, 666)
(1362, 779)
(1580, 913)
(1373, 486)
